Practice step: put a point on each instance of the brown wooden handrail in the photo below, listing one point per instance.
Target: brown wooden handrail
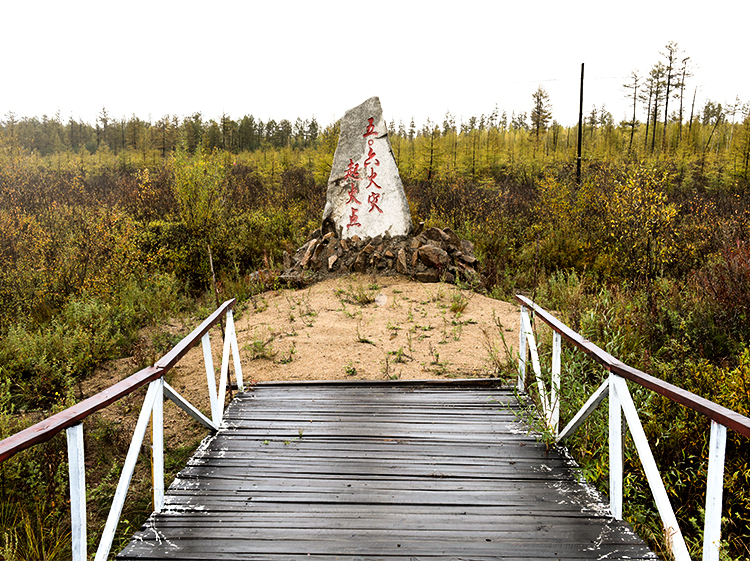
(51, 426)
(716, 412)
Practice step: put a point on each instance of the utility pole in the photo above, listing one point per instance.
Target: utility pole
(580, 132)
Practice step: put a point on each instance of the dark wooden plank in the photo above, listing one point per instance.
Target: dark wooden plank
(393, 547)
(521, 522)
(562, 534)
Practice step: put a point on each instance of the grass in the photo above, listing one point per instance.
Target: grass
(436, 296)
(361, 338)
(459, 302)
(302, 306)
(399, 356)
(500, 356)
(673, 332)
(289, 357)
(261, 347)
(357, 293)
(35, 535)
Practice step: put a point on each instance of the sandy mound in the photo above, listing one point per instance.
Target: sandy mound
(361, 327)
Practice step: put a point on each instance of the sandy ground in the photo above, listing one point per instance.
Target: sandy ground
(350, 328)
(409, 330)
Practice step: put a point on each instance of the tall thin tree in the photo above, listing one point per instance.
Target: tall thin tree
(635, 81)
(671, 53)
(685, 74)
(657, 75)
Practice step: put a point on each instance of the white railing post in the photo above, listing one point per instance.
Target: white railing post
(127, 472)
(714, 491)
(615, 450)
(536, 366)
(235, 350)
(230, 347)
(522, 353)
(208, 360)
(554, 421)
(77, 474)
(157, 445)
(674, 539)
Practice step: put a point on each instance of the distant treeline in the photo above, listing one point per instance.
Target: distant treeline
(715, 137)
(49, 135)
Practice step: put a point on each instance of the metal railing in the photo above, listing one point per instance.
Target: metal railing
(621, 402)
(71, 420)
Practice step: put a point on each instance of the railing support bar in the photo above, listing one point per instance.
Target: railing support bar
(591, 404)
(522, 354)
(672, 532)
(714, 491)
(188, 408)
(232, 335)
(554, 421)
(127, 472)
(77, 473)
(230, 347)
(615, 450)
(543, 398)
(208, 360)
(157, 446)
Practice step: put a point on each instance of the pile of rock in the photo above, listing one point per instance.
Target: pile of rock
(430, 256)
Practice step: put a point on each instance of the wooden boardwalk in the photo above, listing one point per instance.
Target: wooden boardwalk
(380, 471)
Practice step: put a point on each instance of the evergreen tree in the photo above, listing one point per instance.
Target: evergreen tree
(193, 132)
(165, 135)
(228, 133)
(518, 122)
(247, 134)
(312, 130)
(103, 120)
(593, 120)
(541, 111)
(213, 138)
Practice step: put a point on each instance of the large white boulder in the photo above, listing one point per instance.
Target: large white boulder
(365, 195)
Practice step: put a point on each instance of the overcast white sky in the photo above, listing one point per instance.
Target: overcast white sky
(287, 59)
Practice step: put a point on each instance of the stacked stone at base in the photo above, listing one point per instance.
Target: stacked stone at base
(432, 256)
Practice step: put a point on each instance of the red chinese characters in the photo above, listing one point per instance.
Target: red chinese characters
(353, 218)
(372, 177)
(370, 162)
(370, 157)
(368, 172)
(370, 127)
(352, 171)
(353, 190)
(373, 201)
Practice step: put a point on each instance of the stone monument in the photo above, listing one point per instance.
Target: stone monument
(365, 196)
(367, 225)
